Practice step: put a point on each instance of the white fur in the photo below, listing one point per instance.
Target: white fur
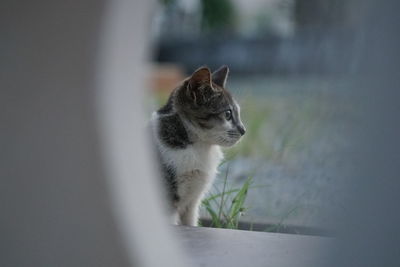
(195, 167)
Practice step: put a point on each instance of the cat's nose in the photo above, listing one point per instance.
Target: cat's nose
(241, 129)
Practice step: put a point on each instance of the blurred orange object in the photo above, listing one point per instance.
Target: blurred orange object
(165, 77)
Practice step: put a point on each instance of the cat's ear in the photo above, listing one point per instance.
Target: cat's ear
(198, 84)
(200, 77)
(220, 76)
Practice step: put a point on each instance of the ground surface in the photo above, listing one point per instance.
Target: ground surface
(223, 247)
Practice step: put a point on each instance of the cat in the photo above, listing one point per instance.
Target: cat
(199, 117)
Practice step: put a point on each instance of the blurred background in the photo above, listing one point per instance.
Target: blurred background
(318, 82)
(290, 62)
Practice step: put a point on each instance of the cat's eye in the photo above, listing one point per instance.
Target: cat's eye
(228, 115)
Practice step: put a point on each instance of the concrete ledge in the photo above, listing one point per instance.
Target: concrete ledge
(223, 247)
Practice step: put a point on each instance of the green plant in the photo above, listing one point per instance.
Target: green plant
(226, 208)
(280, 225)
(217, 14)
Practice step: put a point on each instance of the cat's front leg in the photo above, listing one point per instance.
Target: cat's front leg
(190, 216)
(175, 218)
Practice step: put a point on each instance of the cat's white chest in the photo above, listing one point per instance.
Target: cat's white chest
(196, 168)
(195, 157)
(201, 158)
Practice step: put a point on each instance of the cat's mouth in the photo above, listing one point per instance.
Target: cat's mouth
(233, 135)
(229, 140)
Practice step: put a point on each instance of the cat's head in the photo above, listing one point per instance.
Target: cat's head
(210, 109)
